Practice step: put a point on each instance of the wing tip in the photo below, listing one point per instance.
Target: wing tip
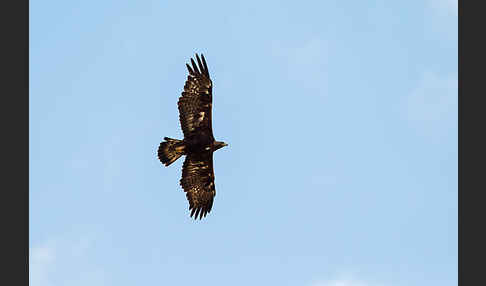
(200, 211)
(201, 68)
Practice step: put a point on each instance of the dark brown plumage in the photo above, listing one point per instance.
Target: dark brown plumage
(198, 145)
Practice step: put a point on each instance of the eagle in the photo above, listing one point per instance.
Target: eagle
(198, 144)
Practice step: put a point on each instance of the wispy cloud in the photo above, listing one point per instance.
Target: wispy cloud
(58, 260)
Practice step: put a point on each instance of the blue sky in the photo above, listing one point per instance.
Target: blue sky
(341, 119)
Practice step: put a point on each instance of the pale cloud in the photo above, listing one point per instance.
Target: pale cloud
(41, 260)
(449, 7)
(42, 254)
(433, 102)
(57, 259)
(341, 282)
(345, 278)
(306, 62)
(312, 53)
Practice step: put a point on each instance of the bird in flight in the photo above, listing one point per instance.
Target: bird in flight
(198, 144)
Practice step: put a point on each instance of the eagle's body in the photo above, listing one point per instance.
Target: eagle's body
(198, 145)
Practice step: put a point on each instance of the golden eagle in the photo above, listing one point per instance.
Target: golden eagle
(198, 144)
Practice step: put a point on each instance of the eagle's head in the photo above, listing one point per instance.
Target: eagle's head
(219, 144)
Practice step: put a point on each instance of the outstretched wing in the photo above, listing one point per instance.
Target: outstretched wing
(196, 100)
(198, 183)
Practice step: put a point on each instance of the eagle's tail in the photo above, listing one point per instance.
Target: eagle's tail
(170, 150)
